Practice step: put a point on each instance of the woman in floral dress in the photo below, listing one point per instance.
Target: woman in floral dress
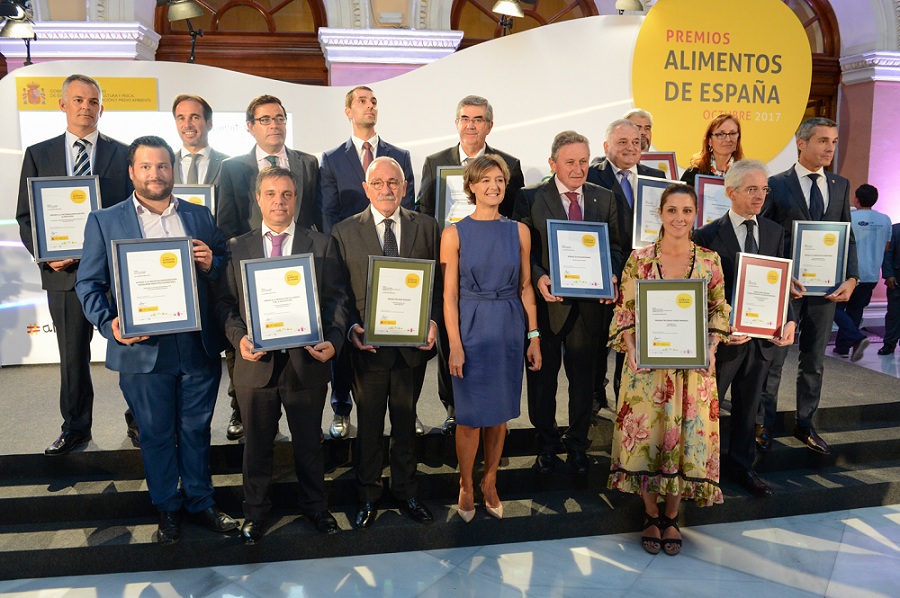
(666, 435)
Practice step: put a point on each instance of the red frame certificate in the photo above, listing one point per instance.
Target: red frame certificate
(761, 295)
(664, 161)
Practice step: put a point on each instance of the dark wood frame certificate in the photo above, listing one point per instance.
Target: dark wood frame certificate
(671, 323)
(762, 287)
(448, 209)
(398, 301)
(156, 286)
(580, 265)
(710, 188)
(59, 209)
(281, 300)
(646, 209)
(820, 255)
(202, 195)
(664, 161)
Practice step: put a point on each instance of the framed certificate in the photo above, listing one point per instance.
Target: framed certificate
(664, 161)
(59, 209)
(820, 254)
(761, 295)
(646, 210)
(156, 286)
(671, 323)
(580, 263)
(203, 195)
(712, 202)
(398, 301)
(452, 205)
(281, 300)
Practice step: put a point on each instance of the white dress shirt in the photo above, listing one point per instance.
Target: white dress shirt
(379, 225)
(72, 151)
(740, 231)
(806, 183)
(160, 226)
(202, 163)
(262, 161)
(286, 245)
(565, 200)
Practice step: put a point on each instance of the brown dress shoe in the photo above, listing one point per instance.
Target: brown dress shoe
(811, 439)
(763, 438)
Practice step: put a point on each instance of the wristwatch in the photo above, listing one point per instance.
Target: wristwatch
(533, 334)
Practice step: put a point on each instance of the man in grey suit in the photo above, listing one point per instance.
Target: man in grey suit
(389, 376)
(573, 331)
(196, 162)
(341, 195)
(474, 121)
(743, 362)
(81, 150)
(806, 191)
(618, 172)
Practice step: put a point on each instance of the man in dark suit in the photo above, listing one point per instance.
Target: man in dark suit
(618, 172)
(237, 212)
(743, 362)
(295, 378)
(474, 121)
(170, 381)
(573, 331)
(389, 376)
(81, 150)
(341, 195)
(890, 268)
(196, 162)
(806, 191)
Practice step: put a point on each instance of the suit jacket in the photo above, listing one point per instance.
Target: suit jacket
(719, 236)
(97, 293)
(48, 158)
(357, 240)
(602, 173)
(341, 177)
(231, 306)
(537, 204)
(891, 265)
(427, 203)
(238, 213)
(212, 173)
(786, 203)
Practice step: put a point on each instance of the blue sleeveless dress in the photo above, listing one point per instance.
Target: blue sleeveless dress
(491, 323)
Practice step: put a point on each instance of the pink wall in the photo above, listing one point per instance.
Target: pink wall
(360, 74)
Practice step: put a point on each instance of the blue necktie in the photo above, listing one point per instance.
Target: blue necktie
(626, 187)
(816, 202)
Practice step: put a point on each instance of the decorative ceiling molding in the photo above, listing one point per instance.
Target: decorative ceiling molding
(66, 40)
(870, 66)
(387, 46)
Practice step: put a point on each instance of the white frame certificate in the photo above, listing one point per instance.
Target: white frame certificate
(201, 195)
(712, 201)
(398, 301)
(647, 223)
(671, 323)
(819, 251)
(580, 261)
(59, 210)
(762, 287)
(452, 204)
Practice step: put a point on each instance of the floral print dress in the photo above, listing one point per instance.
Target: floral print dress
(666, 434)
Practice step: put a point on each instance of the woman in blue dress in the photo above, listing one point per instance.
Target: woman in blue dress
(488, 299)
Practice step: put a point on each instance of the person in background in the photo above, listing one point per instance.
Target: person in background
(721, 148)
(890, 269)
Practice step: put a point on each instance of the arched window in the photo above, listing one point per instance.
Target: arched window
(475, 19)
(825, 42)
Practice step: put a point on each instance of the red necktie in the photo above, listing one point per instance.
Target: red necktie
(367, 155)
(574, 208)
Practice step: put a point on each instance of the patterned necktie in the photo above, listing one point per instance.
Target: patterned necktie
(82, 159)
(750, 245)
(367, 156)
(574, 208)
(277, 242)
(816, 201)
(390, 241)
(192, 170)
(273, 160)
(625, 183)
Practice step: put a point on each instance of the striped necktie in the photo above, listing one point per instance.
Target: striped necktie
(82, 158)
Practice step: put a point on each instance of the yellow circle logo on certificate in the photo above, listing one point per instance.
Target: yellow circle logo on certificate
(588, 240)
(830, 239)
(684, 300)
(772, 277)
(697, 59)
(292, 277)
(77, 196)
(168, 260)
(412, 280)
(196, 200)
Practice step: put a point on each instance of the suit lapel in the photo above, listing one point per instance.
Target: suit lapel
(408, 231)
(792, 180)
(834, 209)
(367, 233)
(591, 207)
(302, 243)
(179, 175)
(56, 154)
(352, 159)
(726, 235)
(215, 165)
(548, 194)
(103, 156)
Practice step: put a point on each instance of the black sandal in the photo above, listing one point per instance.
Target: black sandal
(651, 544)
(671, 546)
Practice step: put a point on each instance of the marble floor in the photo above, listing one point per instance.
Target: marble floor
(854, 553)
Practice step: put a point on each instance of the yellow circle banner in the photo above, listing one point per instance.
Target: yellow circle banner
(78, 196)
(412, 280)
(696, 59)
(168, 260)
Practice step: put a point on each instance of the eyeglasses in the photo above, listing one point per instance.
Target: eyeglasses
(755, 190)
(478, 120)
(267, 120)
(721, 136)
(378, 184)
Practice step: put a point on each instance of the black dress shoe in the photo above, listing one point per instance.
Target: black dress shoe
(134, 434)
(752, 483)
(365, 517)
(215, 520)
(235, 429)
(417, 511)
(66, 442)
(578, 461)
(763, 438)
(811, 439)
(324, 522)
(169, 531)
(449, 425)
(545, 462)
(885, 350)
(252, 531)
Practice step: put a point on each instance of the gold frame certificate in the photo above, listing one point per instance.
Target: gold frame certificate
(671, 323)
(452, 203)
(398, 301)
